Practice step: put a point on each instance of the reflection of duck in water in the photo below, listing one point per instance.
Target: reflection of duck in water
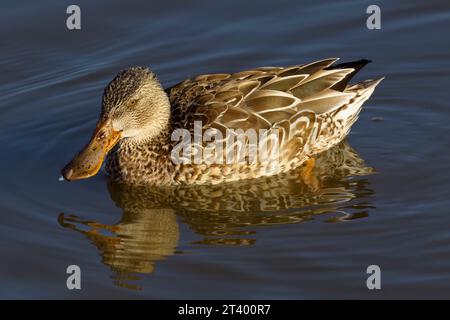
(142, 237)
(224, 214)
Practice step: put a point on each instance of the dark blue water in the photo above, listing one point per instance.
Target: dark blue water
(383, 196)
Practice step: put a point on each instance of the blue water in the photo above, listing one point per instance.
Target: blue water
(267, 239)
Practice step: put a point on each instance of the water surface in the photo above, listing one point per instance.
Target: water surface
(382, 196)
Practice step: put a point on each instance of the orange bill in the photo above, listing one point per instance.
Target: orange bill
(89, 160)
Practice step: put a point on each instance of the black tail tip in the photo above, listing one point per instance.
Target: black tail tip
(364, 61)
(357, 64)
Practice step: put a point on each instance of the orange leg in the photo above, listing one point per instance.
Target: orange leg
(307, 175)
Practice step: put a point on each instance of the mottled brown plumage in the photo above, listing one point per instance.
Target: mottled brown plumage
(310, 108)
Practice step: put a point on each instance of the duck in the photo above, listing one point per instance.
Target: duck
(145, 131)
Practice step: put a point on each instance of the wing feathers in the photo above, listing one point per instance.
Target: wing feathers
(292, 100)
(319, 81)
(327, 101)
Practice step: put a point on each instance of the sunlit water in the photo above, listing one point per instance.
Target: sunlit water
(382, 196)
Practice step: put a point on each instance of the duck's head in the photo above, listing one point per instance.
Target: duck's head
(134, 107)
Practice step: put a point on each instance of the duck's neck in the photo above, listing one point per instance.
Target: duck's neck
(142, 162)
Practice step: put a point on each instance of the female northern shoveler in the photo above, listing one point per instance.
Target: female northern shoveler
(310, 107)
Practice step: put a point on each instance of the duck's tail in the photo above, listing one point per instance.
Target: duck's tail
(356, 65)
(350, 113)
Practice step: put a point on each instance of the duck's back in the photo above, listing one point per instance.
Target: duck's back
(309, 108)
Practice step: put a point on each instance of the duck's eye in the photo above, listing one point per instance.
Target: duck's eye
(133, 102)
